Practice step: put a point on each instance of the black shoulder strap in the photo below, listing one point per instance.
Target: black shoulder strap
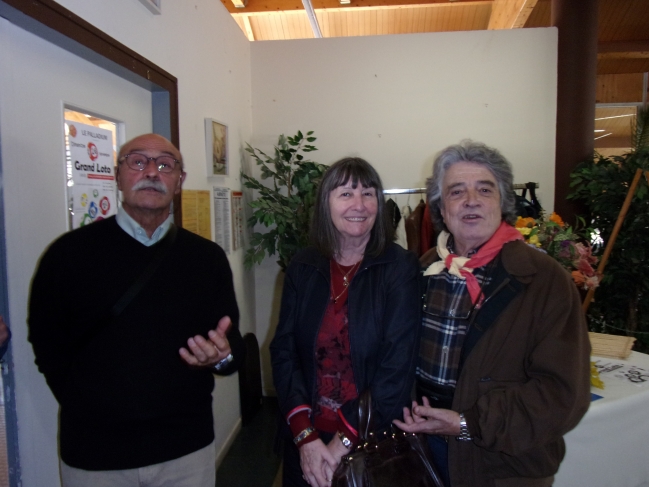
(365, 419)
(502, 290)
(163, 249)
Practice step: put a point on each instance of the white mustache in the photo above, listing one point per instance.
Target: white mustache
(148, 183)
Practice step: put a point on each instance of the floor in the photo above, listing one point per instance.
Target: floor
(251, 461)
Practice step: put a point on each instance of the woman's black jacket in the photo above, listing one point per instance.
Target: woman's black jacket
(384, 323)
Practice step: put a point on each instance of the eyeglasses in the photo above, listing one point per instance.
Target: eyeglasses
(139, 162)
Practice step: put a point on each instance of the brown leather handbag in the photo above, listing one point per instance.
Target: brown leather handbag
(388, 459)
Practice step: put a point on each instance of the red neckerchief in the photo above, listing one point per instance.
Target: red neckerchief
(504, 234)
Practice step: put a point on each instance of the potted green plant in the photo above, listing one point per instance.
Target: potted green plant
(286, 206)
(621, 302)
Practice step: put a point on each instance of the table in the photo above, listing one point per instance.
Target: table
(610, 446)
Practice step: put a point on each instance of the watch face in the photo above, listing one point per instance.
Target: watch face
(345, 441)
(222, 363)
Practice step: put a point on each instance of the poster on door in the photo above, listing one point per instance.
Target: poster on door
(92, 187)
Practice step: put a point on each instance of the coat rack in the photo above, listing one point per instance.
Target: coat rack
(423, 190)
(404, 191)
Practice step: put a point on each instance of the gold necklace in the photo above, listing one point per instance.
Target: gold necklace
(346, 281)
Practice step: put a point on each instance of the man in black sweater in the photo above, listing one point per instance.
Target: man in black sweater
(129, 317)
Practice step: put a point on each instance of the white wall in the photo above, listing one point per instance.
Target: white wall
(200, 44)
(397, 100)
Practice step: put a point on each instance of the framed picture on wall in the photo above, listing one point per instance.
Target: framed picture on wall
(216, 144)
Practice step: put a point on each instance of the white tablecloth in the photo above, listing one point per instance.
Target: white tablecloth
(610, 446)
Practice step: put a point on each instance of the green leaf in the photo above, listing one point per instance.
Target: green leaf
(284, 202)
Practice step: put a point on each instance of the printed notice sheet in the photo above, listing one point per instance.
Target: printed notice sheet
(196, 212)
(222, 218)
(92, 190)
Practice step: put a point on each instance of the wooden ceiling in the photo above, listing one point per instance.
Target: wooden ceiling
(623, 37)
(623, 24)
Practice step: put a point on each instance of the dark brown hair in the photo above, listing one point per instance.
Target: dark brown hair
(324, 235)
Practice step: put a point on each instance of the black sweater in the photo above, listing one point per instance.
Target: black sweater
(127, 398)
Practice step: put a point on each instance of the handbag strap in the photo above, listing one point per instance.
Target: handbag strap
(365, 419)
(134, 289)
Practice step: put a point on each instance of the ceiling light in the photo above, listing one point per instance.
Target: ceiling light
(617, 116)
(599, 130)
(345, 2)
(313, 20)
(605, 135)
(240, 3)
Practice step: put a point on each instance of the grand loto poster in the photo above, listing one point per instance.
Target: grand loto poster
(92, 190)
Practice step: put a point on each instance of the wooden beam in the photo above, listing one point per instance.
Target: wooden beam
(510, 14)
(248, 27)
(287, 5)
(613, 143)
(623, 46)
(623, 55)
(622, 66)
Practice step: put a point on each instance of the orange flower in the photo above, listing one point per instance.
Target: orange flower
(579, 278)
(557, 219)
(525, 222)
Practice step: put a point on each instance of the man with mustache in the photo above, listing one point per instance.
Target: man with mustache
(129, 318)
(504, 367)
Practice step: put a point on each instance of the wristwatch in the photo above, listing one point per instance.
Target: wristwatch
(221, 364)
(347, 443)
(464, 430)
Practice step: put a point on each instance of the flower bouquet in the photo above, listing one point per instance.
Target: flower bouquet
(564, 244)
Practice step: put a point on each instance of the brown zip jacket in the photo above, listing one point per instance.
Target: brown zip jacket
(526, 382)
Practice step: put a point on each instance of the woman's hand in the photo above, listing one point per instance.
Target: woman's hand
(432, 421)
(318, 464)
(337, 450)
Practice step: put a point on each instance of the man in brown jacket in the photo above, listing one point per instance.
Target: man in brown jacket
(504, 366)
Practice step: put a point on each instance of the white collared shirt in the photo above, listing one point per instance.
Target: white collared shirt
(135, 230)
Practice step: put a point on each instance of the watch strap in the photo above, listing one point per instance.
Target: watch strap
(464, 430)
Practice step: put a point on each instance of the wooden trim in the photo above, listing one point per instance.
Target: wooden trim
(510, 14)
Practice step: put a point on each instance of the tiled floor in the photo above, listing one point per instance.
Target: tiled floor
(251, 461)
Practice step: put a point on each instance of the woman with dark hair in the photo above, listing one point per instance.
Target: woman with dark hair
(349, 321)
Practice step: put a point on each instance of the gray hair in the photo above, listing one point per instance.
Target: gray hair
(478, 153)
